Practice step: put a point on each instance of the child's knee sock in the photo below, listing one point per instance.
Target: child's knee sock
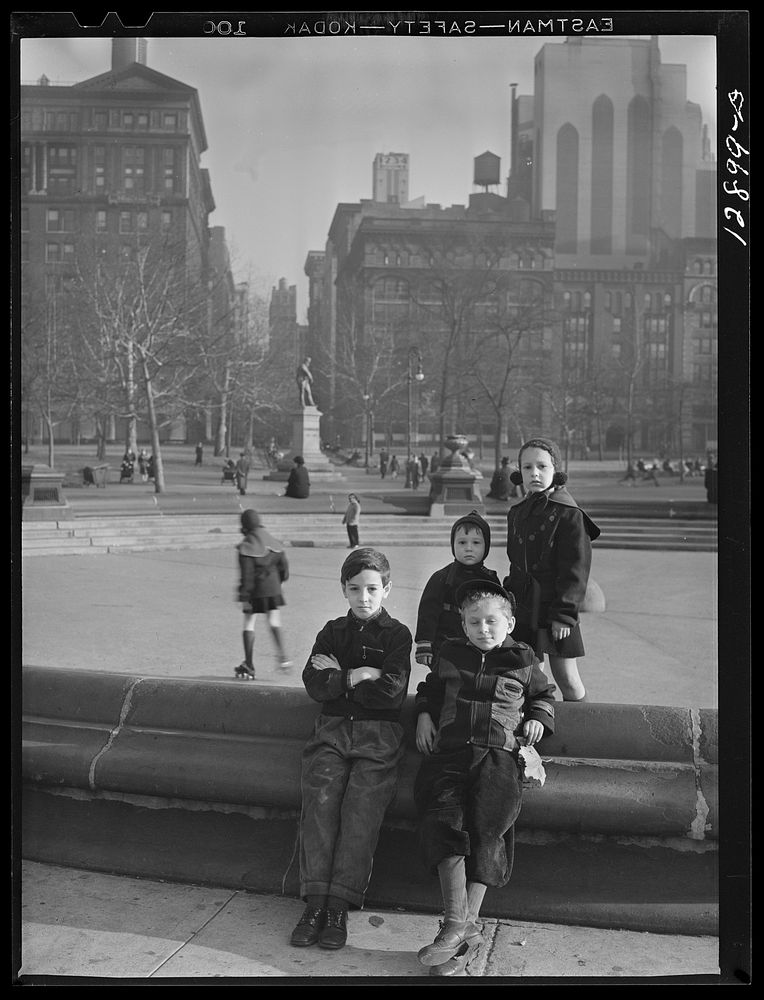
(276, 633)
(475, 894)
(249, 644)
(453, 887)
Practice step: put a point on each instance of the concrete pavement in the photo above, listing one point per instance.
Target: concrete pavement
(95, 926)
(173, 614)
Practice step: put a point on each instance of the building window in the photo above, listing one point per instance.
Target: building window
(100, 221)
(615, 351)
(52, 253)
(125, 222)
(142, 221)
(59, 220)
(168, 168)
(616, 324)
(133, 174)
(166, 221)
(170, 121)
(100, 120)
(143, 121)
(128, 120)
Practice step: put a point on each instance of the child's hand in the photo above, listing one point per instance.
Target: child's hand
(533, 731)
(365, 674)
(559, 631)
(324, 661)
(424, 658)
(425, 733)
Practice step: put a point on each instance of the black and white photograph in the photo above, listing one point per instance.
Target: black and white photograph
(380, 604)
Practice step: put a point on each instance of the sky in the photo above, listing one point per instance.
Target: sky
(293, 125)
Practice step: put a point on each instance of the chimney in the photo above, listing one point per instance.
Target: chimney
(126, 51)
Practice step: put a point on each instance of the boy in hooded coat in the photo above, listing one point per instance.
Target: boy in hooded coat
(438, 616)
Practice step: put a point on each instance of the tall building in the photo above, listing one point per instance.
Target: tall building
(610, 200)
(618, 150)
(109, 164)
(390, 181)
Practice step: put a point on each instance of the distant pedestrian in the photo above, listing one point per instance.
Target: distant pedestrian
(423, 463)
(199, 453)
(630, 476)
(242, 473)
(711, 480)
(394, 467)
(298, 483)
(384, 459)
(263, 567)
(668, 468)
(651, 474)
(151, 466)
(143, 465)
(435, 462)
(501, 487)
(416, 473)
(352, 519)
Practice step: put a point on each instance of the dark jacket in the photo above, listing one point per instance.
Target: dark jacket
(261, 570)
(483, 697)
(382, 642)
(298, 484)
(438, 616)
(550, 554)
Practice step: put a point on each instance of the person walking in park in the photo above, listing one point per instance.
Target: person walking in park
(298, 483)
(438, 617)
(358, 671)
(199, 452)
(143, 465)
(352, 519)
(630, 476)
(242, 473)
(384, 460)
(651, 474)
(394, 467)
(263, 568)
(500, 485)
(549, 545)
(484, 703)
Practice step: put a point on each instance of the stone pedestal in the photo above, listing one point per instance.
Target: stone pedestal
(454, 484)
(42, 496)
(306, 441)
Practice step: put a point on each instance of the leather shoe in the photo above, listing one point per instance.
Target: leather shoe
(335, 932)
(448, 941)
(308, 927)
(457, 965)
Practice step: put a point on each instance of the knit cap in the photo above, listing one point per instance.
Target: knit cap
(250, 521)
(547, 445)
(476, 521)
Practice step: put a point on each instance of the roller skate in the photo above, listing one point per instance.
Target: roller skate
(283, 665)
(244, 672)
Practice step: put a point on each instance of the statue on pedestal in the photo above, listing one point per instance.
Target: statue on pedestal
(304, 380)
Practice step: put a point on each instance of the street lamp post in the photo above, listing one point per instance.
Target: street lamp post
(367, 429)
(412, 376)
